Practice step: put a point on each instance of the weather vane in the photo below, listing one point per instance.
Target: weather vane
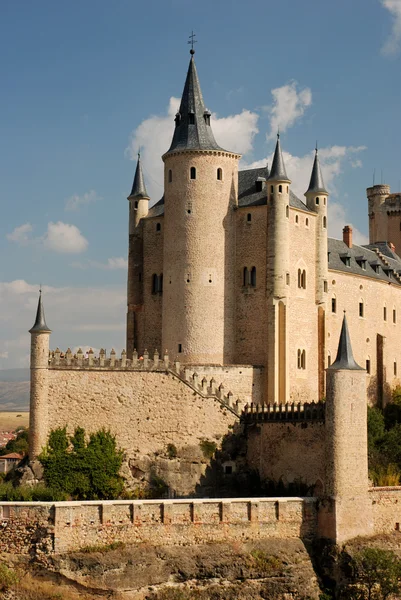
(192, 41)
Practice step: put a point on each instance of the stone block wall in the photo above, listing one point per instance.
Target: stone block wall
(386, 508)
(68, 526)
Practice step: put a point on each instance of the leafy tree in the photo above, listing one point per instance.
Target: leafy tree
(18, 445)
(377, 575)
(84, 470)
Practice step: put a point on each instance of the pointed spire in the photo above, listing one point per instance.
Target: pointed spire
(278, 172)
(138, 187)
(316, 184)
(192, 122)
(345, 358)
(40, 322)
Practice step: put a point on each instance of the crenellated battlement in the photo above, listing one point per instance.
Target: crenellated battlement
(88, 360)
(290, 413)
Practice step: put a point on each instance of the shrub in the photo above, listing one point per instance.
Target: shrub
(18, 445)
(385, 476)
(377, 574)
(8, 577)
(171, 451)
(83, 470)
(208, 448)
(27, 493)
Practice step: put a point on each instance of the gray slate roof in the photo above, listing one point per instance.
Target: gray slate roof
(138, 186)
(316, 184)
(40, 321)
(197, 135)
(339, 252)
(345, 358)
(278, 172)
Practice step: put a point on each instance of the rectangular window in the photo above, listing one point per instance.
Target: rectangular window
(395, 369)
(179, 348)
(384, 313)
(394, 316)
(361, 309)
(368, 366)
(325, 286)
(333, 305)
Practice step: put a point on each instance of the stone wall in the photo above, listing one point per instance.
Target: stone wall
(288, 452)
(67, 526)
(243, 381)
(386, 508)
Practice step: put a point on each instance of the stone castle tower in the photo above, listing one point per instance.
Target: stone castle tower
(38, 411)
(346, 447)
(384, 216)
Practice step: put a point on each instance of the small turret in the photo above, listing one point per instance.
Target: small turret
(378, 218)
(278, 276)
(138, 209)
(348, 509)
(139, 197)
(38, 412)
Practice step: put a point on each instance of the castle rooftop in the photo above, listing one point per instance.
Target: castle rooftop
(138, 190)
(345, 357)
(316, 184)
(40, 321)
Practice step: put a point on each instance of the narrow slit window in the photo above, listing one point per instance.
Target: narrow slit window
(160, 290)
(384, 313)
(245, 277)
(317, 200)
(334, 305)
(253, 277)
(193, 173)
(191, 118)
(158, 227)
(368, 365)
(280, 189)
(249, 217)
(324, 222)
(395, 369)
(361, 309)
(307, 222)
(179, 348)
(287, 211)
(155, 284)
(220, 174)
(394, 316)
(170, 176)
(296, 219)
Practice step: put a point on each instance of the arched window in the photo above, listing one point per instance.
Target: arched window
(302, 279)
(317, 200)
(193, 173)
(287, 211)
(136, 204)
(272, 190)
(158, 227)
(334, 304)
(361, 308)
(253, 277)
(249, 217)
(219, 174)
(296, 219)
(324, 222)
(245, 279)
(170, 175)
(155, 284)
(280, 188)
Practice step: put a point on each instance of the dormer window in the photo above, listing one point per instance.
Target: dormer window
(346, 259)
(191, 116)
(361, 261)
(177, 119)
(260, 183)
(375, 266)
(206, 116)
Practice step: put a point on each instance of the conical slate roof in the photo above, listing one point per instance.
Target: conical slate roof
(316, 184)
(139, 187)
(192, 122)
(40, 321)
(345, 358)
(278, 172)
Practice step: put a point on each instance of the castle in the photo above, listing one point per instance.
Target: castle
(237, 291)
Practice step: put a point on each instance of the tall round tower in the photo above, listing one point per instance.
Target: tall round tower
(378, 221)
(138, 209)
(200, 193)
(38, 410)
(278, 277)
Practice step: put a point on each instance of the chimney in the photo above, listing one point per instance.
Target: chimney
(347, 235)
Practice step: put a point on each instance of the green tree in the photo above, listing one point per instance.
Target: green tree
(377, 575)
(84, 470)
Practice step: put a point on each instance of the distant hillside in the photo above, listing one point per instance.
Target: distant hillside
(14, 395)
(14, 374)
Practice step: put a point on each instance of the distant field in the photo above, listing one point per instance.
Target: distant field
(11, 420)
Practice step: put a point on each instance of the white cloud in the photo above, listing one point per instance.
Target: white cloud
(337, 218)
(392, 44)
(89, 317)
(289, 105)
(153, 137)
(112, 264)
(64, 238)
(75, 202)
(21, 234)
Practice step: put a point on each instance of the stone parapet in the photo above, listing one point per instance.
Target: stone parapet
(68, 526)
(88, 360)
(293, 413)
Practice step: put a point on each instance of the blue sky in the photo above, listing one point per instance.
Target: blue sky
(83, 84)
